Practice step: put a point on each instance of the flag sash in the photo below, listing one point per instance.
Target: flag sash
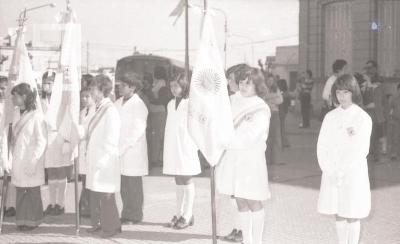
(22, 122)
(96, 119)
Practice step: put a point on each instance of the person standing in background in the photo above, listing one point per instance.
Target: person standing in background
(305, 87)
(283, 110)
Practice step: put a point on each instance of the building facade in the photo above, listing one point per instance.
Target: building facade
(354, 30)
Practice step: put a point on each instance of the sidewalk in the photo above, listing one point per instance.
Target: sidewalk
(291, 216)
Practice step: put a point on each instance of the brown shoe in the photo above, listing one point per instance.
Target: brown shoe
(230, 236)
(172, 222)
(107, 234)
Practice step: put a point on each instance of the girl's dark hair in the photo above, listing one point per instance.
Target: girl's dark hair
(30, 95)
(309, 73)
(103, 83)
(133, 79)
(238, 70)
(349, 83)
(48, 74)
(183, 83)
(257, 77)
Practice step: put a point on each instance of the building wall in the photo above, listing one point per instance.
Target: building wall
(382, 45)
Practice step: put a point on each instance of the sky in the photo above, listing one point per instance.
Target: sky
(112, 28)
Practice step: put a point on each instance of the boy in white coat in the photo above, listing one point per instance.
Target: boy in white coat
(27, 146)
(103, 176)
(132, 147)
(342, 149)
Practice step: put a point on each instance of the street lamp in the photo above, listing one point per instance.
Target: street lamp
(251, 42)
(22, 14)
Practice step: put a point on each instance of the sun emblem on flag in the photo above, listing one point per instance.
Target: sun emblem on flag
(207, 80)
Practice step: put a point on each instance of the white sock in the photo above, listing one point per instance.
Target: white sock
(52, 192)
(11, 196)
(354, 232)
(179, 200)
(236, 221)
(342, 231)
(246, 226)
(61, 192)
(257, 220)
(188, 200)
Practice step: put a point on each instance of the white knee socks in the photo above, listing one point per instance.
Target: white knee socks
(188, 200)
(53, 192)
(61, 192)
(11, 196)
(354, 232)
(257, 220)
(246, 226)
(179, 200)
(342, 231)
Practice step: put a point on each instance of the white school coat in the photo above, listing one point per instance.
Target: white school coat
(342, 149)
(133, 143)
(180, 151)
(29, 148)
(243, 169)
(103, 166)
(84, 118)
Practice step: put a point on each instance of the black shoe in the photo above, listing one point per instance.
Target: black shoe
(49, 210)
(94, 229)
(172, 222)
(183, 223)
(238, 236)
(106, 234)
(26, 228)
(230, 236)
(10, 212)
(129, 221)
(58, 210)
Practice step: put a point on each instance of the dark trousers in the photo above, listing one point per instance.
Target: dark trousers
(305, 103)
(84, 200)
(103, 211)
(29, 207)
(132, 198)
(274, 148)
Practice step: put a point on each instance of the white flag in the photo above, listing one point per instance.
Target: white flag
(210, 117)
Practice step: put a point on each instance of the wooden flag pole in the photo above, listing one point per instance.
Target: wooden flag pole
(187, 40)
(212, 183)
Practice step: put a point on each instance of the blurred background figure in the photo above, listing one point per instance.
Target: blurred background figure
(305, 88)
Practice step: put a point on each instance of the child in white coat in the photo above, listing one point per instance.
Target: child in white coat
(242, 172)
(27, 148)
(180, 154)
(342, 149)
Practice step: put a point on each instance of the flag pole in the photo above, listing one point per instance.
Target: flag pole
(212, 183)
(187, 40)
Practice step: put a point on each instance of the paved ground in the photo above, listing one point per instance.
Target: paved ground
(291, 216)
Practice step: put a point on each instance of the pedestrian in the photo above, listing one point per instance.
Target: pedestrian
(27, 147)
(180, 153)
(242, 172)
(342, 150)
(283, 110)
(9, 208)
(306, 86)
(58, 160)
(160, 95)
(376, 105)
(132, 147)
(339, 67)
(395, 121)
(273, 98)
(88, 109)
(103, 176)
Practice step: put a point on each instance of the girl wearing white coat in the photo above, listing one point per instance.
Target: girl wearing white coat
(342, 149)
(103, 176)
(242, 172)
(132, 147)
(28, 146)
(180, 154)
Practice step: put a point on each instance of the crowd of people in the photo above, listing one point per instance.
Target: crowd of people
(148, 123)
